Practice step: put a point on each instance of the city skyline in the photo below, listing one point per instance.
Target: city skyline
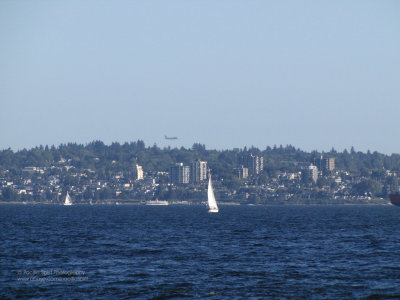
(111, 173)
(226, 74)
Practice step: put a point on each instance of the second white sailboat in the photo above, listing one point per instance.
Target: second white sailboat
(68, 200)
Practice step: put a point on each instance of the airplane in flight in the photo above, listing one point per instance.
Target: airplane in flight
(170, 138)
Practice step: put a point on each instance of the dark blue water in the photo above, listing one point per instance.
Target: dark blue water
(125, 252)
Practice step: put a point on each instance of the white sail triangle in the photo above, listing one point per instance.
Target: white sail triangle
(212, 203)
(68, 200)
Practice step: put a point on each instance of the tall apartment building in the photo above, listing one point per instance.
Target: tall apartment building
(253, 163)
(241, 172)
(311, 173)
(329, 164)
(139, 172)
(198, 171)
(179, 174)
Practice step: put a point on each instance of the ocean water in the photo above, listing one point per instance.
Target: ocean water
(157, 252)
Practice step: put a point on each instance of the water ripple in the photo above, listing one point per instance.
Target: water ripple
(183, 252)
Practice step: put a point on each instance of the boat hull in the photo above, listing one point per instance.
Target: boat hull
(157, 202)
(395, 199)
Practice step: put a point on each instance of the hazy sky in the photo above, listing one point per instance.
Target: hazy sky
(314, 74)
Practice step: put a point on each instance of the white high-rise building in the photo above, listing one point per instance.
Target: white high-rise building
(311, 173)
(139, 172)
(198, 171)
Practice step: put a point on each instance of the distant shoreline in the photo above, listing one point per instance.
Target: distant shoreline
(197, 204)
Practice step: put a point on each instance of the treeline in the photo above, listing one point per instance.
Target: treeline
(107, 159)
(83, 168)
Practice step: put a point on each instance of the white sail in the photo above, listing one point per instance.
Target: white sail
(212, 203)
(67, 200)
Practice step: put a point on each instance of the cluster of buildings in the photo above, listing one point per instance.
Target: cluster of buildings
(327, 165)
(249, 165)
(187, 180)
(195, 173)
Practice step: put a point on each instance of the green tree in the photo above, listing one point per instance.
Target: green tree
(368, 186)
(10, 195)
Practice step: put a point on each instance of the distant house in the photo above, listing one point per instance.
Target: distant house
(31, 170)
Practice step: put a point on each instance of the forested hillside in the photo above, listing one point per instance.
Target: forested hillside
(78, 168)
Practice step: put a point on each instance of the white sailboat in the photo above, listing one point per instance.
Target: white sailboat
(67, 200)
(212, 203)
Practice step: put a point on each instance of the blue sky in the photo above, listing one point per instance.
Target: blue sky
(314, 74)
